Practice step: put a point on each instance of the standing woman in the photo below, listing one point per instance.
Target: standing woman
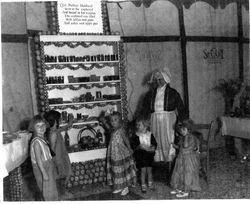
(166, 107)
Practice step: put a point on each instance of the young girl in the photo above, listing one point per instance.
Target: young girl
(144, 145)
(121, 170)
(41, 159)
(61, 159)
(185, 177)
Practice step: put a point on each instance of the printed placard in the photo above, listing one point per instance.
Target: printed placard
(213, 55)
(80, 16)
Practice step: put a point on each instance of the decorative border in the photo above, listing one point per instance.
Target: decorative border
(52, 17)
(123, 87)
(80, 65)
(77, 44)
(78, 87)
(40, 77)
(78, 107)
(188, 3)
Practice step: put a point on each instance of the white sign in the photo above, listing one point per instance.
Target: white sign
(80, 16)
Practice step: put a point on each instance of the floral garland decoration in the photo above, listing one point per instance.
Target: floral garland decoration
(80, 65)
(77, 44)
(86, 86)
(123, 88)
(75, 107)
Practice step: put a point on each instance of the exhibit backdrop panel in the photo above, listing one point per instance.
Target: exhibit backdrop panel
(17, 102)
(142, 59)
(201, 19)
(207, 63)
(246, 64)
(13, 22)
(130, 20)
(245, 22)
(36, 16)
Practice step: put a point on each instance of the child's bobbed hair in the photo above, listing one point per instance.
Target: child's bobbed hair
(36, 119)
(116, 113)
(144, 121)
(187, 123)
(52, 117)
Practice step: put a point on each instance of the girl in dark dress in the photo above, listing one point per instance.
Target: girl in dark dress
(144, 144)
(61, 159)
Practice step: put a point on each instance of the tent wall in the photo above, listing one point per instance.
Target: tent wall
(16, 90)
(152, 39)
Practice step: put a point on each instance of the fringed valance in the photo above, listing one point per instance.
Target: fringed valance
(187, 3)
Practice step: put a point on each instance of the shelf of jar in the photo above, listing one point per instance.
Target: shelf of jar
(90, 62)
(82, 103)
(81, 123)
(79, 83)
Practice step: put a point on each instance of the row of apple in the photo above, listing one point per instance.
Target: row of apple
(89, 172)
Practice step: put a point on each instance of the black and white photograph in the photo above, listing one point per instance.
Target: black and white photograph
(125, 100)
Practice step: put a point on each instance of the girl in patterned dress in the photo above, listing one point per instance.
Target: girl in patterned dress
(121, 170)
(41, 159)
(185, 177)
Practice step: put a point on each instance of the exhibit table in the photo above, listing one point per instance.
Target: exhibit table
(237, 127)
(14, 153)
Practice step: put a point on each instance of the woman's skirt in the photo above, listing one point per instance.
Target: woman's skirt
(162, 127)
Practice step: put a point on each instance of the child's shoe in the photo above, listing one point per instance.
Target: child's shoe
(143, 188)
(182, 194)
(117, 191)
(125, 191)
(176, 191)
(150, 185)
(244, 158)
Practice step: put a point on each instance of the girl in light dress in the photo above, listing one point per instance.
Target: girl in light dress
(185, 177)
(41, 160)
(144, 145)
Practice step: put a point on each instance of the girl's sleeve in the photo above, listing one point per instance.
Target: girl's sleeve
(153, 141)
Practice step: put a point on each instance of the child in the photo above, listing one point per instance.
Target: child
(61, 159)
(41, 159)
(144, 144)
(185, 177)
(121, 170)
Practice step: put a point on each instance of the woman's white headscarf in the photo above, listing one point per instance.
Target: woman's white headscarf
(164, 72)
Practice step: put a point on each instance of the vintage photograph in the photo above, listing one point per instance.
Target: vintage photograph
(125, 100)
